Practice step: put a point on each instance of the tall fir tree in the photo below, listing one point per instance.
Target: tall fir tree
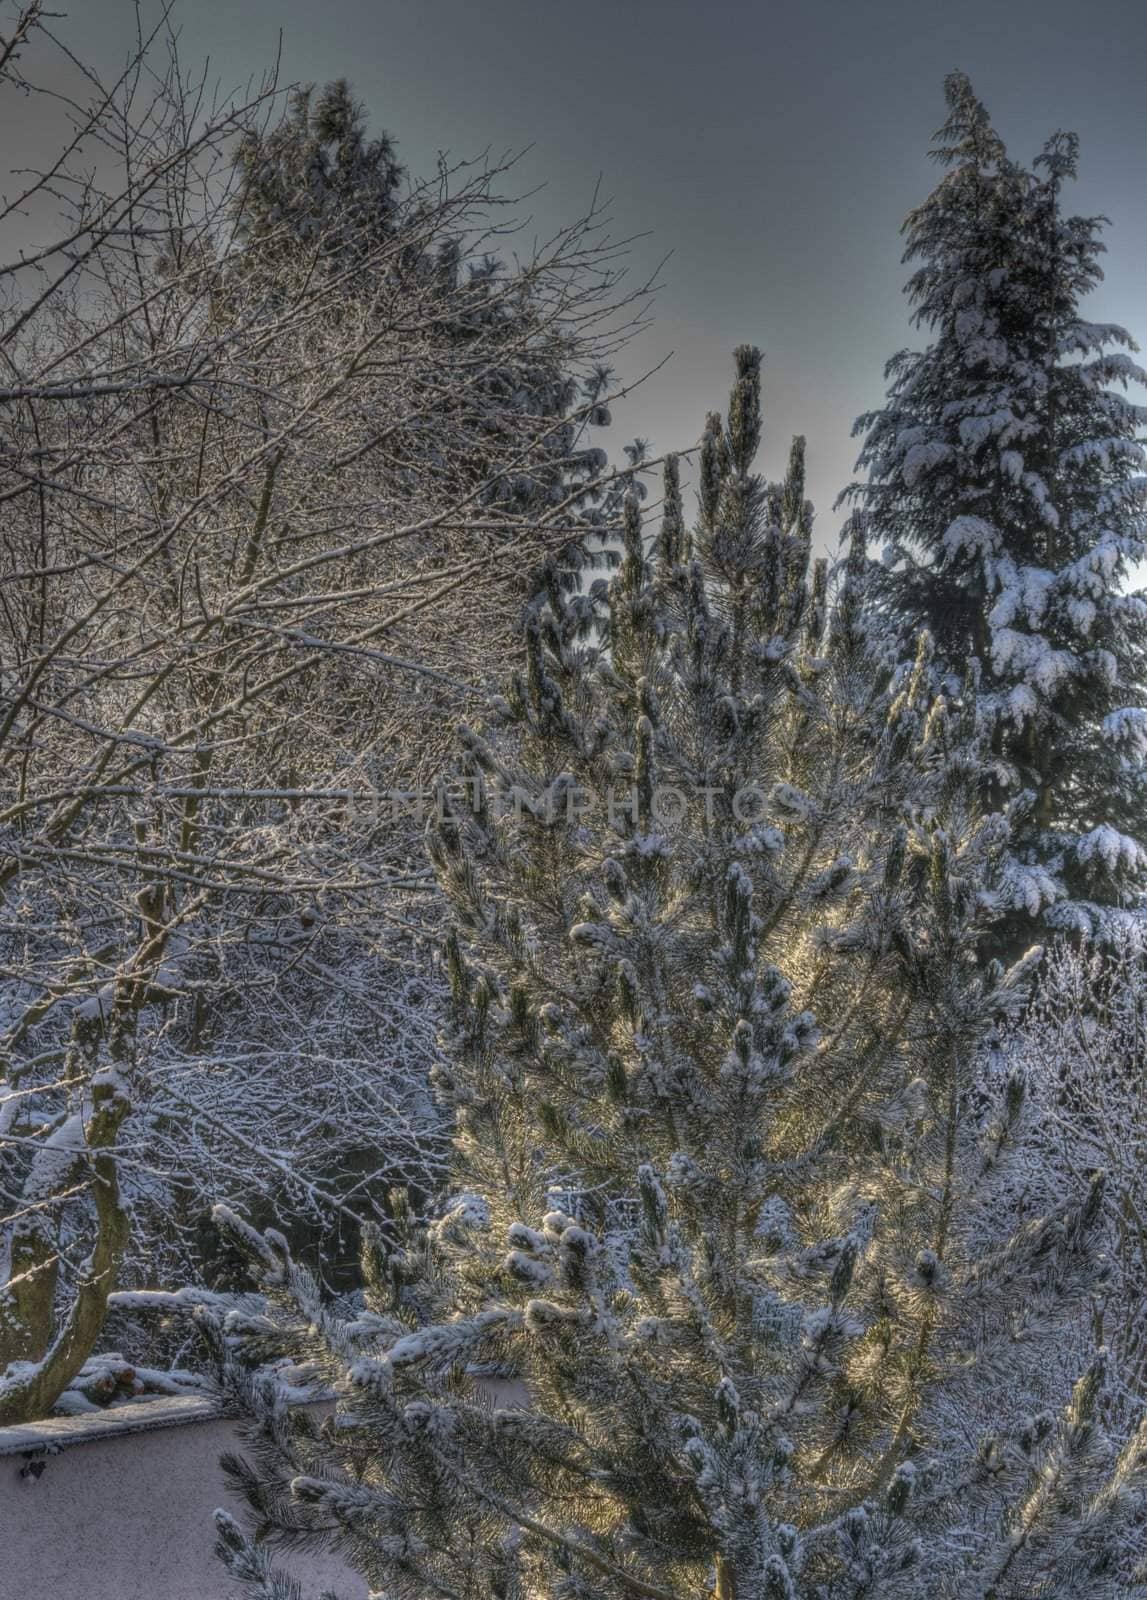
(1005, 481)
(725, 1209)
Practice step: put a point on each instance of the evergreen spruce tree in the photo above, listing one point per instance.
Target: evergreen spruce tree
(1005, 483)
(727, 1209)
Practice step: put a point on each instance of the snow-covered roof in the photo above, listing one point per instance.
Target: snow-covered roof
(154, 1411)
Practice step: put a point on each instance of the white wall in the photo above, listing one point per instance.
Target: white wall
(127, 1515)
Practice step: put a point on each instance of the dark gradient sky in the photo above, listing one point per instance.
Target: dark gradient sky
(773, 149)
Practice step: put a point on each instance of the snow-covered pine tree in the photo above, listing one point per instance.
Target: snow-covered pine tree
(723, 1208)
(1004, 480)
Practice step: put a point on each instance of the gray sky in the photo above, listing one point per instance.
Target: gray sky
(774, 149)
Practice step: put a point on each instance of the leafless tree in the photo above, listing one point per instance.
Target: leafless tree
(266, 525)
